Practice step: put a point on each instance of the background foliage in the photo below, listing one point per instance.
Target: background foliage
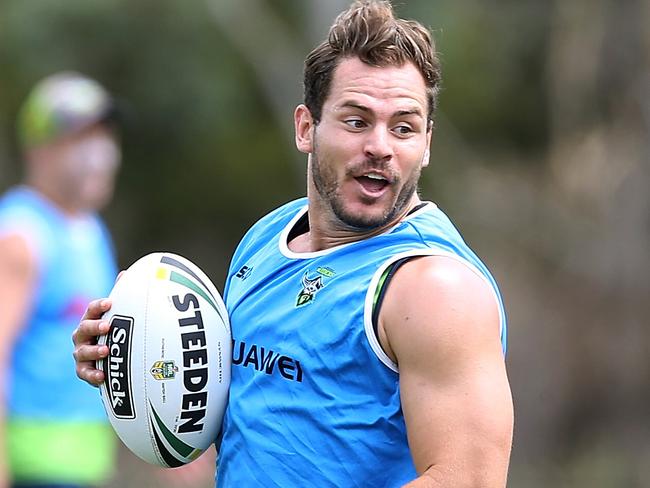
(540, 155)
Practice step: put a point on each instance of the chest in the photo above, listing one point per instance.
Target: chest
(297, 319)
(77, 267)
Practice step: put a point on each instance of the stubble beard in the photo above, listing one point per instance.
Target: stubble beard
(328, 189)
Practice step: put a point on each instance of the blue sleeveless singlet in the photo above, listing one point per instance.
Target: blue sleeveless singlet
(76, 263)
(314, 400)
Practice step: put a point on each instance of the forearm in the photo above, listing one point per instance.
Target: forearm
(427, 480)
(440, 477)
(435, 477)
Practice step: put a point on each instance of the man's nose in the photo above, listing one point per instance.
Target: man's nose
(378, 144)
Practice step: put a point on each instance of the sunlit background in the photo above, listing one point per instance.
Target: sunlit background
(541, 155)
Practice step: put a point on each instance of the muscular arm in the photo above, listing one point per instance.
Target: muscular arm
(17, 276)
(440, 324)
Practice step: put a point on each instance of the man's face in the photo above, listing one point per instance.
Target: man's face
(85, 166)
(371, 143)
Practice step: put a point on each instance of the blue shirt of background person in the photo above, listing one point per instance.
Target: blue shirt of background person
(55, 254)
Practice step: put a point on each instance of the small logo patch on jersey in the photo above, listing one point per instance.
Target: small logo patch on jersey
(311, 286)
(244, 272)
(164, 370)
(325, 271)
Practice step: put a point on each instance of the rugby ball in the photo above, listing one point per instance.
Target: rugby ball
(168, 370)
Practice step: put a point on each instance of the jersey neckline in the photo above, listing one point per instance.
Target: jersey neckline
(283, 244)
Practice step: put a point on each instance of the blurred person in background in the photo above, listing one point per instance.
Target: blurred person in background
(55, 253)
(368, 338)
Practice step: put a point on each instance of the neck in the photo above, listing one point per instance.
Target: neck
(327, 231)
(52, 196)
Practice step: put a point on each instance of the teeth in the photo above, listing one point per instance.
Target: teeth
(375, 176)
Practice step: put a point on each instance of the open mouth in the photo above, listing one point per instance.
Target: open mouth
(372, 182)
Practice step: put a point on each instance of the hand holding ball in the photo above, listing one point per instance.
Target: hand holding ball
(168, 370)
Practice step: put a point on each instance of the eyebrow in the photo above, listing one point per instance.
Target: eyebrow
(399, 113)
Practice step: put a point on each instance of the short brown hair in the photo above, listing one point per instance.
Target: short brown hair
(370, 31)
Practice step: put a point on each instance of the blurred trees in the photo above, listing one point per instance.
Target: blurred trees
(541, 155)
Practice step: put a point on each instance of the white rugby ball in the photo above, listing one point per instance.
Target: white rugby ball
(168, 370)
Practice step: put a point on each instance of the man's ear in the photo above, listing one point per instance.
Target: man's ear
(425, 158)
(304, 127)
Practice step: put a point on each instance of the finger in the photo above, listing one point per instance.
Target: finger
(90, 374)
(88, 331)
(97, 308)
(119, 275)
(89, 354)
(85, 357)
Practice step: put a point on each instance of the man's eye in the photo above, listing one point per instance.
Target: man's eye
(403, 130)
(355, 123)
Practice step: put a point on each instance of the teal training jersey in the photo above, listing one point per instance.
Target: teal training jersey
(314, 400)
(75, 263)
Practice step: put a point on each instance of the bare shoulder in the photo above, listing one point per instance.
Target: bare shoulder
(440, 324)
(438, 304)
(15, 255)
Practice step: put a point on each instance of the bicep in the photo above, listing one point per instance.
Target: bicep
(441, 322)
(461, 420)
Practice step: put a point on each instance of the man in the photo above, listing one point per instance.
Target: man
(55, 254)
(368, 338)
